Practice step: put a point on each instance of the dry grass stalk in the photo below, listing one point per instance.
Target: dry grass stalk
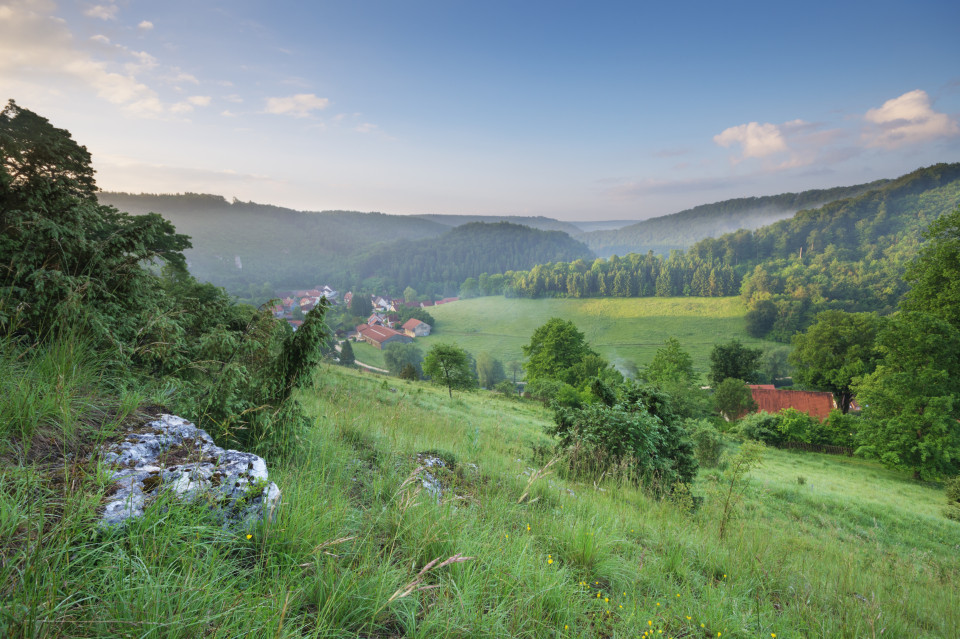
(415, 585)
(539, 474)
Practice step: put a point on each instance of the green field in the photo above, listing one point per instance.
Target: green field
(622, 330)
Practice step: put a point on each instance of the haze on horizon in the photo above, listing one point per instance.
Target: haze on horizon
(572, 110)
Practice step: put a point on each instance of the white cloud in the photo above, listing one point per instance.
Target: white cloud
(233, 97)
(366, 127)
(102, 39)
(905, 120)
(40, 55)
(146, 25)
(199, 100)
(228, 113)
(755, 140)
(102, 11)
(299, 106)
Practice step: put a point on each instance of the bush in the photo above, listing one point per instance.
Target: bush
(506, 387)
(841, 429)
(762, 427)
(707, 442)
(797, 426)
(952, 511)
(638, 439)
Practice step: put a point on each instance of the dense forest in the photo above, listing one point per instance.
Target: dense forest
(679, 230)
(847, 255)
(243, 246)
(440, 264)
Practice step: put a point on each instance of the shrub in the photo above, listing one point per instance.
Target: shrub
(638, 439)
(952, 511)
(707, 442)
(506, 387)
(762, 427)
(797, 426)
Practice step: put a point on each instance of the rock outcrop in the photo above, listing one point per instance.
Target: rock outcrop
(172, 455)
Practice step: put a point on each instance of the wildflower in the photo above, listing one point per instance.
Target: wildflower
(549, 561)
(621, 605)
(528, 527)
(649, 622)
(773, 634)
(678, 594)
(689, 617)
(658, 603)
(598, 595)
(606, 599)
(249, 536)
(566, 627)
(702, 626)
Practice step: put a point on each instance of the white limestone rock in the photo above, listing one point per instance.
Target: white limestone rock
(172, 454)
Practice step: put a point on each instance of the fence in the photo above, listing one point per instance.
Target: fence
(818, 448)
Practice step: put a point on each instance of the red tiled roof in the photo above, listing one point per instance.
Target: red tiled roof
(763, 387)
(381, 333)
(411, 324)
(815, 404)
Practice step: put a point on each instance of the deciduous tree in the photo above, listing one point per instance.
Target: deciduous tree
(449, 365)
(837, 349)
(912, 399)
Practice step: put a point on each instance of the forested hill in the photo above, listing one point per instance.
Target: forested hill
(536, 222)
(274, 245)
(244, 246)
(680, 230)
(850, 255)
(442, 263)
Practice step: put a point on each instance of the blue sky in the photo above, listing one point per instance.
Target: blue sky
(574, 110)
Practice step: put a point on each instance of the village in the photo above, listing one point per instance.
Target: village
(383, 326)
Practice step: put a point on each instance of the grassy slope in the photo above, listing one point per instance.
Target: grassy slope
(823, 559)
(620, 329)
(854, 551)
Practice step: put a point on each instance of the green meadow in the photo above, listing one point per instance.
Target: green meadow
(820, 546)
(620, 329)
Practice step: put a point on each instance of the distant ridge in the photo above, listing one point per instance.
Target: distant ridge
(681, 230)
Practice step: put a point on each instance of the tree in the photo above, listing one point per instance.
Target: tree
(837, 349)
(671, 364)
(410, 294)
(489, 370)
(515, 367)
(448, 365)
(912, 399)
(775, 363)
(554, 349)
(409, 372)
(347, 358)
(67, 260)
(360, 305)
(734, 360)
(733, 399)
(935, 274)
(397, 355)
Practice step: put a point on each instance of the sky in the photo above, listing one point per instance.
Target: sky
(572, 110)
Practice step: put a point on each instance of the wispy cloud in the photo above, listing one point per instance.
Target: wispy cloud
(301, 105)
(905, 120)
(102, 11)
(146, 25)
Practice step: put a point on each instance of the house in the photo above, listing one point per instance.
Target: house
(348, 297)
(813, 403)
(415, 328)
(380, 336)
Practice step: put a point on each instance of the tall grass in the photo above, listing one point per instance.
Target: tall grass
(356, 530)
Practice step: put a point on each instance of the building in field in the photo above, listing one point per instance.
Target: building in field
(380, 336)
(416, 328)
